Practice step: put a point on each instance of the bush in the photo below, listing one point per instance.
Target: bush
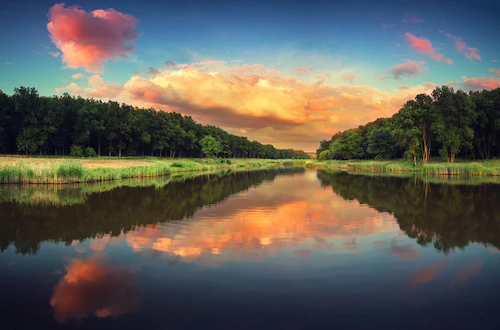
(76, 151)
(176, 165)
(228, 161)
(89, 152)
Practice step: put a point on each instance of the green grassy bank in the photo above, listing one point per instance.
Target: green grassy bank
(479, 168)
(63, 171)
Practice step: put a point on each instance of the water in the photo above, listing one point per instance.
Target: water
(270, 249)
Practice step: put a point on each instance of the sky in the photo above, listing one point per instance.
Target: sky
(286, 73)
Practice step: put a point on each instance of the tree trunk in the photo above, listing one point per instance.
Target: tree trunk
(119, 152)
(99, 144)
(109, 151)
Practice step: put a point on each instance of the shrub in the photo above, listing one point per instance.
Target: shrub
(76, 151)
(228, 161)
(89, 152)
(176, 164)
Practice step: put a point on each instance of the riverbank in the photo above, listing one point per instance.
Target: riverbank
(52, 170)
(478, 168)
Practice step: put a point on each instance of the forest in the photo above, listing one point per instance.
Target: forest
(447, 125)
(63, 125)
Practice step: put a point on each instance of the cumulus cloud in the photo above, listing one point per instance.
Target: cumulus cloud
(424, 46)
(77, 76)
(497, 71)
(470, 52)
(271, 108)
(349, 78)
(151, 72)
(87, 39)
(407, 69)
(90, 287)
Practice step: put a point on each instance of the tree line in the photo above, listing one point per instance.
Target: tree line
(446, 124)
(57, 125)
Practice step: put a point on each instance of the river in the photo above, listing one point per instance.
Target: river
(285, 248)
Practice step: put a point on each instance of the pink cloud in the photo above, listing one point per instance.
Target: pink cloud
(73, 88)
(494, 61)
(412, 18)
(407, 69)
(86, 40)
(480, 83)
(470, 52)
(55, 54)
(303, 70)
(349, 78)
(424, 46)
(379, 77)
(324, 77)
(470, 271)
(497, 71)
(77, 76)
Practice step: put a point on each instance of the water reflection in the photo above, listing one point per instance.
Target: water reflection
(91, 287)
(446, 216)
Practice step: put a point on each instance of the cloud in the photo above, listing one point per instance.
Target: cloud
(470, 271)
(379, 77)
(403, 87)
(151, 72)
(55, 54)
(407, 69)
(469, 52)
(349, 78)
(301, 71)
(429, 273)
(280, 110)
(412, 18)
(475, 84)
(386, 26)
(496, 71)
(77, 76)
(324, 77)
(245, 68)
(494, 61)
(90, 287)
(403, 252)
(424, 46)
(74, 88)
(86, 40)
(169, 63)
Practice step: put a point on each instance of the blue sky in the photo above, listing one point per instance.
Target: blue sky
(347, 45)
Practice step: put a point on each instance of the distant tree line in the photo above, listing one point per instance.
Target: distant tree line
(446, 124)
(56, 125)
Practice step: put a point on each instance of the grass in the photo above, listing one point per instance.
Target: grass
(70, 170)
(477, 168)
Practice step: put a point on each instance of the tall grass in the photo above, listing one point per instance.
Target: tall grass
(73, 171)
(486, 168)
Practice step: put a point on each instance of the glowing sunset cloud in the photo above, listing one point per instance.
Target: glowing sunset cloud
(424, 46)
(90, 287)
(88, 39)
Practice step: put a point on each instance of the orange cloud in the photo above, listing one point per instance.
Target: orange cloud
(55, 54)
(497, 71)
(407, 69)
(480, 83)
(424, 46)
(74, 88)
(403, 87)
(86, 40)
(283, 111)
(349, 78)
(301, 71)
(77, 76)
(90, 287)
(379, 77)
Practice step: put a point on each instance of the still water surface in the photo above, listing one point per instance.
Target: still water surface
(269, 249)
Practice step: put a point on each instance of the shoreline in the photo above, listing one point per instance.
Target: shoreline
(56, 171)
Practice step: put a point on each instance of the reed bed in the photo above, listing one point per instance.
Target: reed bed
(484, 168)
(65, 171)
